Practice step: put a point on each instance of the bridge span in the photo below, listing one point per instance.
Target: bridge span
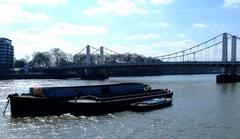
(161, 64)
(216, 55)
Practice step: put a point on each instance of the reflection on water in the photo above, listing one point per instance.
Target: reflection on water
(201, 109)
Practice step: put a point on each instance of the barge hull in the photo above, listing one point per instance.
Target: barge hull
(23, 106)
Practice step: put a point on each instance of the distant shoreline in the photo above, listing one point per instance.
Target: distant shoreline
(67, 76)
(37, 76)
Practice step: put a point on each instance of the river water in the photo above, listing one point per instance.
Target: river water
(201, 109)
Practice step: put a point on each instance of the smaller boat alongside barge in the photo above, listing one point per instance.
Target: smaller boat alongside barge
(151, 104)
(91, 105)
(82, 100)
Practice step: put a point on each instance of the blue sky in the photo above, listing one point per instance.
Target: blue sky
(148, 27)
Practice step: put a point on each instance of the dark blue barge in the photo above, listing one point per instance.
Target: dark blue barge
(82, 100)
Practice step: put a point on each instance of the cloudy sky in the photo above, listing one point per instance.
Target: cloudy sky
(149, 27)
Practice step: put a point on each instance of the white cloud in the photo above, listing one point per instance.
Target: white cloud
(157, 11)
(149, 36)
(158, 1)
(214, 28)
(158, 24)
(162, 1)
(13, 13)
(118, 7)
(34, 2)
(64, 29)
(200, 25)
(155, 49)
(163, 24)
(182, 35)
(167, 47)
(146, 50)
(170, 44)
(26, 41)
(231, 3)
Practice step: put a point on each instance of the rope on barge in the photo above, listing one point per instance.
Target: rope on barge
(8, 100)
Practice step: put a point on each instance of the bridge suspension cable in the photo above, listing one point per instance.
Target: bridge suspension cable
(111, 51)
(96, 50)
(81, 51)
(199, 52)
(191, 47)
(187, 54)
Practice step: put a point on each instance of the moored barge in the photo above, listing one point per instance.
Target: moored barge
(82, 100)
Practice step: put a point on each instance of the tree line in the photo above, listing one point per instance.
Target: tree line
(58, 58)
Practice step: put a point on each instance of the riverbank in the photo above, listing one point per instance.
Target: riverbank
(37, 76)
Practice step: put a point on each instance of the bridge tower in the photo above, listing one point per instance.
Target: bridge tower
(234, 49)
(94, 73)
(224, 47)
(101, 55)
(88, 55)
(233, 68)
(230, 70)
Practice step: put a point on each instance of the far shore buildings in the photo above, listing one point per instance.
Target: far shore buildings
(6, 53)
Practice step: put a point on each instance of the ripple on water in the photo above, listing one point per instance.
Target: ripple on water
(201, 109)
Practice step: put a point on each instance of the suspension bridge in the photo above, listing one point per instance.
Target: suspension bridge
(216, 55)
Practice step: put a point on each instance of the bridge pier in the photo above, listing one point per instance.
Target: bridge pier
(94, 74)
(230, 72)
(228, 78)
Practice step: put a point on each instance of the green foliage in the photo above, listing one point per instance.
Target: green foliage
(20, 63)
(57, 58)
